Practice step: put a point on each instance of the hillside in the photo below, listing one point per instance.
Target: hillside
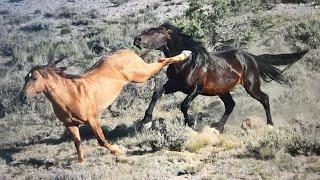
(34, 143)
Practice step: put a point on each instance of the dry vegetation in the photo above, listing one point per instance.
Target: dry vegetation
(34, 144)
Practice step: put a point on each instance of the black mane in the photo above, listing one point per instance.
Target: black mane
(200, 54)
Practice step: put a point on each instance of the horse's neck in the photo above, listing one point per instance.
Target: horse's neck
(58, 91)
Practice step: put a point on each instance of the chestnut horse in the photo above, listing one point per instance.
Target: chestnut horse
(213, 73)
(78, 99)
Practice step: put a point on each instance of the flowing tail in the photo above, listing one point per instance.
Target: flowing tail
(267, 64)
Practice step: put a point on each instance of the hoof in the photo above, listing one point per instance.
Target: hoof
(270, 126)
(80, 160)
(141, 126)
(190, 122)
(117, 151)
(218, 126)
(215, 124)
(220, 129)
(147, 118)
(147, 126)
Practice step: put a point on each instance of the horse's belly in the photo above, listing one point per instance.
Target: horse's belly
(107, 94)
(215, 87)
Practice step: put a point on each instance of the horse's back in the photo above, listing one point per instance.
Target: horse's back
(118, 60)
(122, 57)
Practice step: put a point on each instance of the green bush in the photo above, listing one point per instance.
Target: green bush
(201, 20)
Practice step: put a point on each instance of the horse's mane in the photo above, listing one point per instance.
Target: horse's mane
(57, 70)
(199, 53)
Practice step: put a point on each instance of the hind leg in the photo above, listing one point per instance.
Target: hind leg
(96, 128)
(254, 90)
(228, 105)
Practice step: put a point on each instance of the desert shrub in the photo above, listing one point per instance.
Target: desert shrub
(305, 32)
(17, 20)
(81, 22)
(93, 14)
(66, 13)
(15, 1)
(302, 138)
(6, 50)
(201, 20)
(60, 49)
(118, 2)
(65, 31)
(207, 137)
(4, 12)
(285, 161)
(164, 134)
(204, 20)
(35, 27)
(294, 1)
(48, 15)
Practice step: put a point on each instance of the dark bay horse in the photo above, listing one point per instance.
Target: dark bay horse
(214, 73)
(78, 99)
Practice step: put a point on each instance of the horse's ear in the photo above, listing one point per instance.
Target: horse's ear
(43, 73)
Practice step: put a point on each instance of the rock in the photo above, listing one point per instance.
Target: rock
(253, 123)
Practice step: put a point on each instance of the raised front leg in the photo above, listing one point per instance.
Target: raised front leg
(185, 105)
(141, 72)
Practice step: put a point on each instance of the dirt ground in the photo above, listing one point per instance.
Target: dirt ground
(35, 145)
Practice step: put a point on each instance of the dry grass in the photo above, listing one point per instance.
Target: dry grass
(34, 144)
(198, 140)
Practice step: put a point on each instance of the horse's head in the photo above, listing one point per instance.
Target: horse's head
(36, 80)
(153, 38)
(169, 39)
(34, 83)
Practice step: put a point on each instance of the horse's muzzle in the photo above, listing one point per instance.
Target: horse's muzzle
(23, 98)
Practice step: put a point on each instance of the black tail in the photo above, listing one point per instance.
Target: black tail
(267, 65)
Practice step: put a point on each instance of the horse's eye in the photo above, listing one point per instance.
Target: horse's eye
(33, 78)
